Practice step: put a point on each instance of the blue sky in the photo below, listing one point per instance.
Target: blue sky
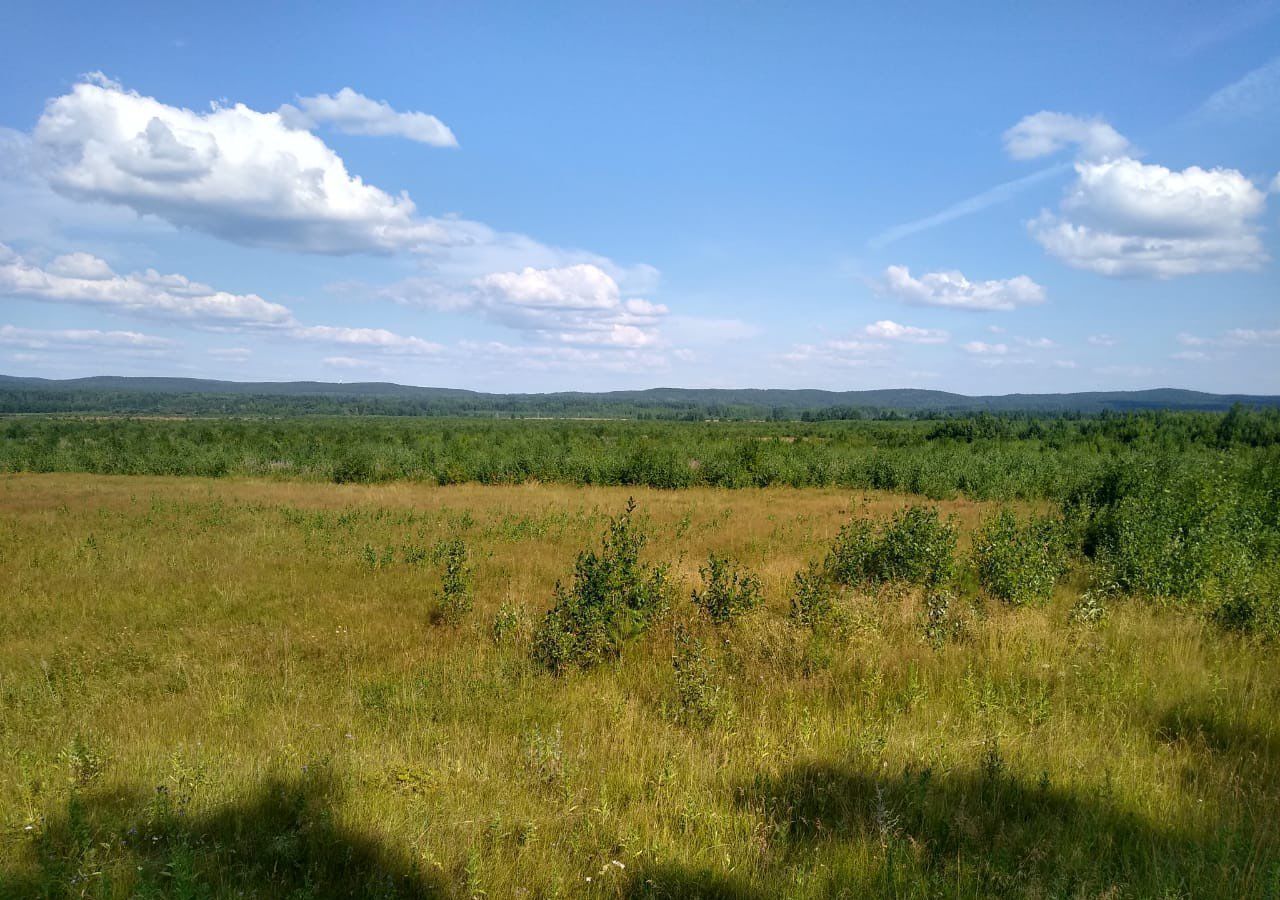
(977, 197)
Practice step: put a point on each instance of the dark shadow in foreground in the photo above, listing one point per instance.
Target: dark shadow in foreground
(673, 882)
(281, 842)
(987, 833)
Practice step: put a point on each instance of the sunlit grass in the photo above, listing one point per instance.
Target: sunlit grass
(247, 674)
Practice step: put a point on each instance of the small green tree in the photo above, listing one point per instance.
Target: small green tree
(700, 696)
(456, 598)
(812, 596)
(852, 558)
(727, 591)
(611, 599)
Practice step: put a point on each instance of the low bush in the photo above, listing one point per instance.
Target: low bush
(611, 599)
(1019, 563)
(812, 596)
(727, 592)
(456, 598)
(509, 623)
(701, 698)
(916, 546)
(852, 558)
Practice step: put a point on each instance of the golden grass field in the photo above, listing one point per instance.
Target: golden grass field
(236, 688)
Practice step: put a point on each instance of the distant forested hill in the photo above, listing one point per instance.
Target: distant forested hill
(201, 397)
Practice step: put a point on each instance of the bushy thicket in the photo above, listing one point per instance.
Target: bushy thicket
(1205, 532)
(1020, 562)
(1180, 506)
(612, 598)
(984, 457)
(916, 546)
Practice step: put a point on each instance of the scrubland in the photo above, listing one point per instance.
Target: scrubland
(284, 687)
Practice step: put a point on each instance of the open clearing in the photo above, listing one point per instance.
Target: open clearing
(222, 686)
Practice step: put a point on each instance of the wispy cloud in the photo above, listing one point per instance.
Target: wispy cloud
(1238, 21)
(1001, 193)
(1253, 95)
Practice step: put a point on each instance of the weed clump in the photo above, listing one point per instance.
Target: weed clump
(544, 757)
(728, 592)
(941, 624)
(84, 762)
(812, 596)
(456, 598)
(612, 599)
(1019, 563)
(1090, 609)
(701, 698)
(916, 546)
(509, 623)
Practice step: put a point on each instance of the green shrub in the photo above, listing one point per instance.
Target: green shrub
(700, 696)
(611, 599)
(1248, 602)
(812, 596)
(1019, 563)
(916, 546)
(1196, 530)
(852, 558)
(456, 598)
(727, 592)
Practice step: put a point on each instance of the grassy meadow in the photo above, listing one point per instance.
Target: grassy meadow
(267, 688)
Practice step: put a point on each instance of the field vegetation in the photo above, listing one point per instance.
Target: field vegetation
(980, 657)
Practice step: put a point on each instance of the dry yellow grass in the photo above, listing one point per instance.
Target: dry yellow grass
(235, 641)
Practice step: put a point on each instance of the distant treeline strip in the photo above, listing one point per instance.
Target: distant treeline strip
(191, 397)
(984, 456)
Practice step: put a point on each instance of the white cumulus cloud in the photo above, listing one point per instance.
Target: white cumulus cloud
(952, 289)
(1127, 218)
(175, 298)
(1122, 217)
(367, 338)
(1234, 337)
(350, 362)
(1132, 197)
(981, 348)
(578, 304)
(242, 175)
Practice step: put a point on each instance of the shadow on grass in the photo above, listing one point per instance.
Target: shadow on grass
(1202, 726)
(281, 842)
(673, 882)
(989, 834)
